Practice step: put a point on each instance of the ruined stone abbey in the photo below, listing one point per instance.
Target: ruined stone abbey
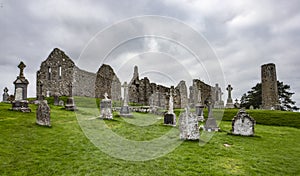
(60, 76)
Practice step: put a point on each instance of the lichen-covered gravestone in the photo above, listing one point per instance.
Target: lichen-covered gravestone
(43, 114)
(43, 110)
(243, 124)
(188, 126)
(105, 107)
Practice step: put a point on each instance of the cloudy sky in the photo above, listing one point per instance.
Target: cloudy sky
(243, 34)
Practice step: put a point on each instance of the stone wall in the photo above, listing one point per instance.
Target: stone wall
(107, 82)
(269, 87)
(84, 82)
(56, 73)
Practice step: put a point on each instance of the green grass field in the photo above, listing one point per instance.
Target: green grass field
(64, 149)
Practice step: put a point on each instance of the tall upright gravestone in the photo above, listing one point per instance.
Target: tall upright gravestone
(229, 103)
(20, 103)
(43, 110)
(188, 126)
(125, 112)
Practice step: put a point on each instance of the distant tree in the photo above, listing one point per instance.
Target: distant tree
(254, 97)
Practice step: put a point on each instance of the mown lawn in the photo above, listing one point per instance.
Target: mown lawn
(64, 149)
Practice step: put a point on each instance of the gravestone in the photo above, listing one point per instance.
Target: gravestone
(43, 114)
(237, 104)
(20, 103)
(251, 107)
(43, 110)
(125, 112)
(219, 103)
(5, 95)
(106, 108)
(70, 104)
(61, 103)
(229, 103)
(243, 124)
(199, 108)
(56, 99)
(188, 126)
(211, 123)
(170, 117)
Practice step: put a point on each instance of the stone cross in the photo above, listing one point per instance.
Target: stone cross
(125, 86)
(21, 66)
(236, 101)
(40, 90)
(229, 89)
(105, 96)
(171, 105)
(5, 90)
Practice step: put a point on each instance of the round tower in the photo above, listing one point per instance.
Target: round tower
(269, 88)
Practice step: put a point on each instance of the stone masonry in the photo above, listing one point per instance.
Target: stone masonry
(269, 87)
(107, 82)
(58, 71)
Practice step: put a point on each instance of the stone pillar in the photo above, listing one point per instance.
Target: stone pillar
(125, 112)
(269, 88)
(229, 103)
(199, 107)
(170, 117)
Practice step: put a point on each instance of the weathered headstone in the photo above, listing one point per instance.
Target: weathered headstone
(125, 112)
(5, 95)
(70, 104)
(56, 99)
(170, 117)
(243, 124)
(229, 103)
(199, 108)
(61, 103)
(20, 103)
(43, 110)
(251, 107)
(106, 108)
(43, 114)
(188, 126)
(211, 123)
